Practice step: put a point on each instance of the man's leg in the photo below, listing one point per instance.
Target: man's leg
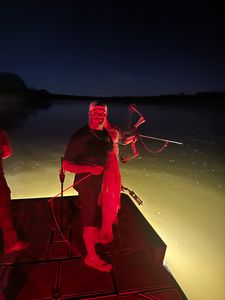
(9, 233)
(89, 236)
(11, 242)
(88, 193)
(92, 259)
(10, 238)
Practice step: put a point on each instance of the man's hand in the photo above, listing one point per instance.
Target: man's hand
(131, 139)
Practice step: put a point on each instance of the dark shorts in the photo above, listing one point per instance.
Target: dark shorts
(89, 191)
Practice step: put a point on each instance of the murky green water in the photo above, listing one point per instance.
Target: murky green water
(182, 187)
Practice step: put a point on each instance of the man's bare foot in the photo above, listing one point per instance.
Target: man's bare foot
(98, 264)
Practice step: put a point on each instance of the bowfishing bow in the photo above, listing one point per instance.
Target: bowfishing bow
(133, 130)
(132, 140)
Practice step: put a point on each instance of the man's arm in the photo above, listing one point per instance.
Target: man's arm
(71, 161)
(75, 168)
(6, 151)
(5, 147)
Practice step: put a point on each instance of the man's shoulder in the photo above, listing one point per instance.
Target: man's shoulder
(83, 131)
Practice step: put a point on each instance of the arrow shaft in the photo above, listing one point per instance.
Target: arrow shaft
(159, 139)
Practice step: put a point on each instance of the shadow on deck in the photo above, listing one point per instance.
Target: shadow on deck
(49, 269)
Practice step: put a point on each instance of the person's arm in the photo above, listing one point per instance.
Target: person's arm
(75, 168)
(6, 150)
(71, 161)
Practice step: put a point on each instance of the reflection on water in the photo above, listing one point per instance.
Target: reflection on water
(182, 187)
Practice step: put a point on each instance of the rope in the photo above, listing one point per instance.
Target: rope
(50, 201)
(72, 185)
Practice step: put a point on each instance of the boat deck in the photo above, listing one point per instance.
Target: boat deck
(50, 269)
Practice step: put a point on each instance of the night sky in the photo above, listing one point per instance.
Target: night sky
(114, 47)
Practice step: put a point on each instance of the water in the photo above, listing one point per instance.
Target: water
(182, 187)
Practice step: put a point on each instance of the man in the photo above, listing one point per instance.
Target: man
(10, 238)
(87, 152)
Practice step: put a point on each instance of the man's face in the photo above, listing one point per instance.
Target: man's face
(97, 116)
